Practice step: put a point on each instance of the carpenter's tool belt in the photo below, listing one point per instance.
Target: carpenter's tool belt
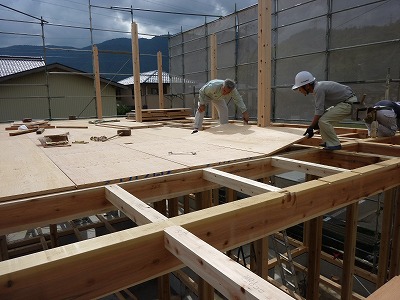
(358, 111)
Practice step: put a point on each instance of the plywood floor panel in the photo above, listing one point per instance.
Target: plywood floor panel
(26, 170)
(250, 137)
(99, 163)
(147, 152)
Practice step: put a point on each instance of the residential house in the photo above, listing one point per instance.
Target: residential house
(31, 89)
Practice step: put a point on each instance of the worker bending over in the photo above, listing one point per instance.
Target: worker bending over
(332, 104)
(218, 91)
(386, 114)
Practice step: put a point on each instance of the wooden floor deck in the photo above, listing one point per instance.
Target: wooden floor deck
(29, 169)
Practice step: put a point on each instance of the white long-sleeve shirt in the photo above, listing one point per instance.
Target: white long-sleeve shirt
(212, 91)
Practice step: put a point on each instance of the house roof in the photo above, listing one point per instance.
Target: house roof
(10, 65)
(16, 66)
(152, 77)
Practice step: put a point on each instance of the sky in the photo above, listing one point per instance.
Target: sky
(20, 19)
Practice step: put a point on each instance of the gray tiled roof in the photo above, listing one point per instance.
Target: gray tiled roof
(152, 77)
(15, 64)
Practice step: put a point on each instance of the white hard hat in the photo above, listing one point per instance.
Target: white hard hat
(302, 78)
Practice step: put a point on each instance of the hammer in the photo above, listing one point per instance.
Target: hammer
(121, 132)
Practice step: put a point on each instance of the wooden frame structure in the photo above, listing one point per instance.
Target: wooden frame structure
(165, 241)
(161, 245)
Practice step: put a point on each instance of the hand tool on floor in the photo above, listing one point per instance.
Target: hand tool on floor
(40, 131)
(181, 153)
(121, 132)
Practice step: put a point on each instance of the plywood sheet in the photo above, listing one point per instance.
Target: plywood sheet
(263, 140)
(27, 171)
(147, 152)
(98, 163)
(192, 154)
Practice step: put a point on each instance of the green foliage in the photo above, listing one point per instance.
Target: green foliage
(122, 109)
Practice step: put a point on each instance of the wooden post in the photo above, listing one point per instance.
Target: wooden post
(261, 257)
(264, 63)
(213, 68)
(53, 235)
(394, 268)
(186, 204)
(385, 238)
(136, 72)
(160, 81)
(205, 290)
(173, 207)
(99, 106)
(314, 258)
(215, 197)
(3, 248)
(349, 251)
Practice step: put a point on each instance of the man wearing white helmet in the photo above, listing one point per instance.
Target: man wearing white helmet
(332, 104)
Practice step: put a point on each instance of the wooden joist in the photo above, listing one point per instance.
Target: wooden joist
(223, 227)
(231, 279)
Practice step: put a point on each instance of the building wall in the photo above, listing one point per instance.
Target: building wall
(28, 97)
(149, 92)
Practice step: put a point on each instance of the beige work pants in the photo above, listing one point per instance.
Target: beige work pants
(329, 119)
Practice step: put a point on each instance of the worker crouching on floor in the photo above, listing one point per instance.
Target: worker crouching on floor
(218, 91)
(383, 118)
(332, 104)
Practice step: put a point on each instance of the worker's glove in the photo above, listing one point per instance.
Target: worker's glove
(309, 132)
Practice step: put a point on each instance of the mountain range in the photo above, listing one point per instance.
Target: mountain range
(115, 58)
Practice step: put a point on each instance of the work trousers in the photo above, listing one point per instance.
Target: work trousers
(222, 109)
(331, 117)
(387, 123)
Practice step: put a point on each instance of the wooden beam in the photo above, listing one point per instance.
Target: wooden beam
(223, 227)
(56, 208)
(379, 149)
(240, 184)
(230, 278)
(304, 166)
(138, 211)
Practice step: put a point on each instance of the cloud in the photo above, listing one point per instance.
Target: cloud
(69, 20)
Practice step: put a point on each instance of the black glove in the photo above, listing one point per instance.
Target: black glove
(309, 132)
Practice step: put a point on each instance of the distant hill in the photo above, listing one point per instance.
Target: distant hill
(115, 66)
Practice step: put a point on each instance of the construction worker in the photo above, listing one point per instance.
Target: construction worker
(332, 104)
(218, 91)
(386, 116)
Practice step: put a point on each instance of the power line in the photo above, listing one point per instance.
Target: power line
(18, 11)
(157, 11)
